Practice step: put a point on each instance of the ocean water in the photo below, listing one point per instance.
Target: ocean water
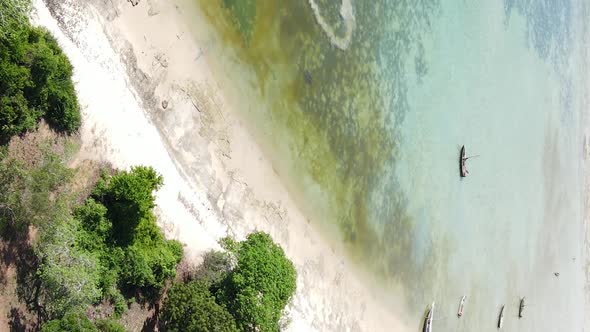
(362, 106)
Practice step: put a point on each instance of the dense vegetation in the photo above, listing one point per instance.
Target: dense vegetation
(192, 307)
(79, 322)
(83, 259)
(35, 76)
(85, 253)
(254, 292)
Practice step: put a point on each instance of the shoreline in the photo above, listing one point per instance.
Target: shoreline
(143, 104)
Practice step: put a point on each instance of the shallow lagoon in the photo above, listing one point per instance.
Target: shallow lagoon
(366, 132)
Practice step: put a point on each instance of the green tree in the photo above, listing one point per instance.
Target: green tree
(109, 326)
(191, 307)
(259, 288)
(95, 228)
(71, 322)
(13, 13)
(76, 321)
(118, 226)
(51, 71)
(128, 196)
(35, 76)
(150, 267)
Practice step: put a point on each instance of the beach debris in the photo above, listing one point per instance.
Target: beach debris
(428, 320)
(461, 306)
(521, 307)
(556, 274)
(164, 104)
(501, 318)
(307, 77)
(161, 59)
(134, 2)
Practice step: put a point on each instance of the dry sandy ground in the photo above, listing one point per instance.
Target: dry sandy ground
(149, 98)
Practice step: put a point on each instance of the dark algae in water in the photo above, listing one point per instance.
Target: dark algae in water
(363, 106)
(341, 104)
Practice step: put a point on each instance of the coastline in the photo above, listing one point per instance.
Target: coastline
(149, 98)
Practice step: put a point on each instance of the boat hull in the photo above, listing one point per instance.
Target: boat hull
(462, 168)
(501, 318)
(428, 320)
(461, 306)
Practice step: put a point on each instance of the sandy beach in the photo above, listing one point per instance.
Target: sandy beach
(148, 97)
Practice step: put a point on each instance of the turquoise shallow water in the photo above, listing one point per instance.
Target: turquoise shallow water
(363, 113)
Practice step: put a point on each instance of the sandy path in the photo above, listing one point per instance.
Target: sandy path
(149, 98)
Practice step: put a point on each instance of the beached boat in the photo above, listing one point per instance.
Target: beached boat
(461, 306)
(521, 308)
(428, 320)
(501, 318)
(462, 159)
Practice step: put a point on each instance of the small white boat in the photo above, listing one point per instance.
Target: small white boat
(501, 318)
(428, 320)
(461, 306)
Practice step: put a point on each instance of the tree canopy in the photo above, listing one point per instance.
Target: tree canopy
(120, 214)
(245, 288)
(73, 321)
(35, 76)
(76, 321)
(259, 288)
(191, 308)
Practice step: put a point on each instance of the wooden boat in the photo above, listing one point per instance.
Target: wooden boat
(521, 308)
(501, 318)
(461, 306)
(428, 320)
(462, 159)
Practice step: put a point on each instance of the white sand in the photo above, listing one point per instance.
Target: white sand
(127, 61)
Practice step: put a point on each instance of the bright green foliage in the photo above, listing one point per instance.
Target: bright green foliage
(129, 198)
(76, 321)
(71, 322)
(109, 326)
(134, 250)
(254, 281)
(82, 258)
(13, 14)
(191, 307)
(149, 266)
(35, 76)
(259, 288)
(95, 228)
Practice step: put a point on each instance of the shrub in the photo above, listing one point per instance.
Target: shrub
(76, 321)
(191, 307)
(129, 198)
(72, 321)
(259, 288)
(35, 76)
(109, 326)
(118, 222)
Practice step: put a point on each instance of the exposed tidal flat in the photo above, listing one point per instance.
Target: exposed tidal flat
(367, 139)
